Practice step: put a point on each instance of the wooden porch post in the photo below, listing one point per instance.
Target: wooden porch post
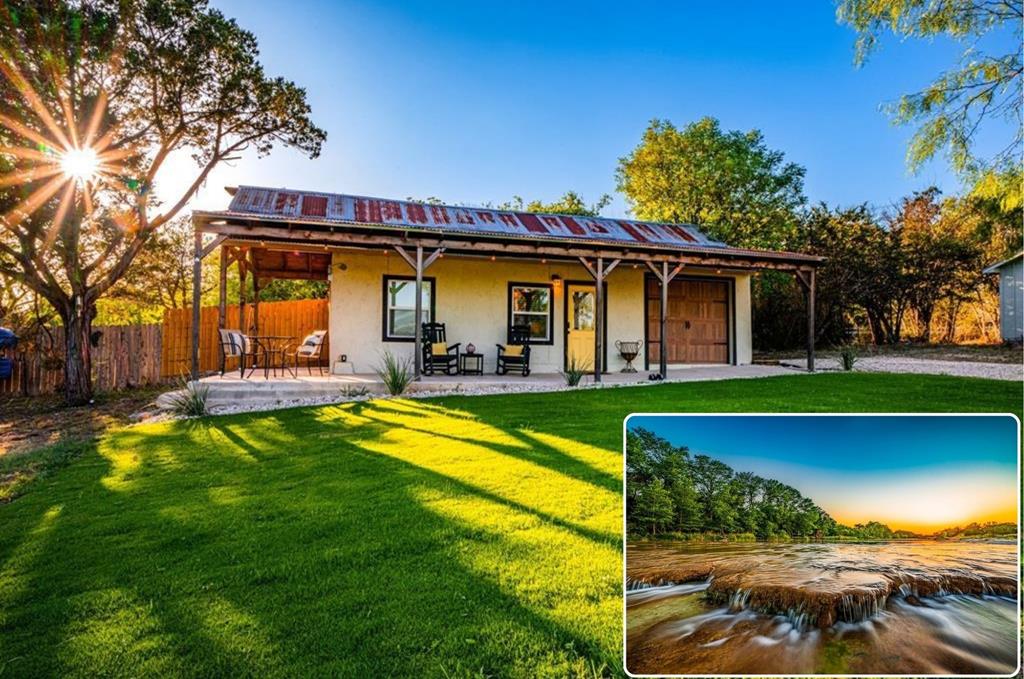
(810, 321)
(222, 299)
(806, 279)
(197, 293)
(222, 291)
(255, 293)
(418, 351)
(598, 318)
(419, 265)
(242, 327)
(662, 316)
(665, 277)
(599, 272)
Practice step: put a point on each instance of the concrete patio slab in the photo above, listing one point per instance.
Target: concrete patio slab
(231, 391)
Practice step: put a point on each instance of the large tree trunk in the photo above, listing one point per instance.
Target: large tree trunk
(78, 353)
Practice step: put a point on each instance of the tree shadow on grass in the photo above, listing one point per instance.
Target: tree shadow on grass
(322, 557)
(516, 443)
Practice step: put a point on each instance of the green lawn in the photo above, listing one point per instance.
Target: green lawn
(452, 537)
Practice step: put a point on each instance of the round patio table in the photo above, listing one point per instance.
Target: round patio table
(271, 351)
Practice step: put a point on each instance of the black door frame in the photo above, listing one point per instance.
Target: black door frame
(565, 322)
(730, 310)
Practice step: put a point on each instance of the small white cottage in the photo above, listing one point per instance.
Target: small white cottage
(579, 284)
(1011, 296)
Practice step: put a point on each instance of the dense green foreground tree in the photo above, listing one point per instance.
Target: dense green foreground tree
(668, 490)
(94, 97)
(951, 112)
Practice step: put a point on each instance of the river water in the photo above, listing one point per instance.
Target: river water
(921, 607)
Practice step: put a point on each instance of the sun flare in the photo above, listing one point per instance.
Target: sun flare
(80, 164)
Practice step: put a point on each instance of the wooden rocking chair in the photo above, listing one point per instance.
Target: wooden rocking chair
(515, 355)
(437, 353)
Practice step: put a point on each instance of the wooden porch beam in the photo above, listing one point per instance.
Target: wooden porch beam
(405, 255)
(212, 245)
(432, 258)
(588, 266)
(291, 239)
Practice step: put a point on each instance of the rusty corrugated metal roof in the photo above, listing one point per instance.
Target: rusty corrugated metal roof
(253, 202)
(333, 207)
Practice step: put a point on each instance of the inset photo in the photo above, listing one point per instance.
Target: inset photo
(822, 544)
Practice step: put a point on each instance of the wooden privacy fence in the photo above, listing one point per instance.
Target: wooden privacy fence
(296, 319)
(139, 355)
(125, 356)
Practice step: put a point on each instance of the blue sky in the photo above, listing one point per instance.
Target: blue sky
(474, 102)
(912, 472)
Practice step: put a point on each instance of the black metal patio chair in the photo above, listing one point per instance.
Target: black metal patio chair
(235, 344)
(515, 355)
(437, 353)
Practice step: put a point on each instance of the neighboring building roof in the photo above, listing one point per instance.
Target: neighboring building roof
(310, 207)
(999, 265)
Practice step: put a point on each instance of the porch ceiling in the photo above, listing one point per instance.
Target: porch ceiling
(290, 264)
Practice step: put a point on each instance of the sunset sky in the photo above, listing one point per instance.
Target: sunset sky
(910, 472)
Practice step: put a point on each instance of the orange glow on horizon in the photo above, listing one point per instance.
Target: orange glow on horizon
(928, 503)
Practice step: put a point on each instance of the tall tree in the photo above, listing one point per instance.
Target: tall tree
(95, 95)
(939, 263)
(727, 182)
(951, 111)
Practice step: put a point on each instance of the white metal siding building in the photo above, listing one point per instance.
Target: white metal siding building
(1011, 296)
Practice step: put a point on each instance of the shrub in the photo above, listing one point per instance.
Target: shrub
(575, 372)
(395, 373)
(353, 392)
(848, 356)
(190, 400)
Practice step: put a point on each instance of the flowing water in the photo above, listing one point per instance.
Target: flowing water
(921, 607)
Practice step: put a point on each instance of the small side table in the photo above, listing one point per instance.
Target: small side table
(471, 364)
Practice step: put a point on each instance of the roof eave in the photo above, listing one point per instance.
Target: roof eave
(709, 251)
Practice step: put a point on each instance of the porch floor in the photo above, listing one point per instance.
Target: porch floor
(231, 390)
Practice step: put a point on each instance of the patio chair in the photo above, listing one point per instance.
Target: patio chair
(515, 355)
(310, 350)
(437, 353)
(234, 344)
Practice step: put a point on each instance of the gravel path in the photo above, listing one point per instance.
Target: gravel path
(921, 366)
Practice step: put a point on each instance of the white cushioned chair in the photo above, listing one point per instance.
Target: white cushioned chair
(310, 350)
(234, 344)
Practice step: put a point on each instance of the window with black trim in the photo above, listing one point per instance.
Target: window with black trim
(399, 324)
(531, 304)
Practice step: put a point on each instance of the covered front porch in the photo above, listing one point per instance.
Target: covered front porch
(583, 287)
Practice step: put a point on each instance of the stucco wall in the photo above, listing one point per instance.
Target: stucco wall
(472, 300)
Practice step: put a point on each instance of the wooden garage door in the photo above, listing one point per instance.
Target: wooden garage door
(697, 324)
